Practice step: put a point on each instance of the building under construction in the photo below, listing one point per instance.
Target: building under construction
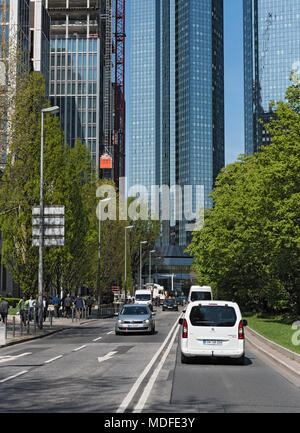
(85, 54)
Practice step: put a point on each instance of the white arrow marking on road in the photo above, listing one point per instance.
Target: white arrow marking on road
(13, 357)
(106, 357)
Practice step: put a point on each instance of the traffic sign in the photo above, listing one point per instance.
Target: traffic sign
(53, 223)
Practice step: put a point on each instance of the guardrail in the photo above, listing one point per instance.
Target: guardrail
(109, 310)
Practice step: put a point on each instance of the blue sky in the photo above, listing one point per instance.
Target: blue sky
(234, 80)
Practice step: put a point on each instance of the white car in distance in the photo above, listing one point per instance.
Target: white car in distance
(212, 329)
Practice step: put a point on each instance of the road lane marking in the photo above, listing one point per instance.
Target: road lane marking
(126, 401)
(53, 359)
(107, 356)
(13, 357)
(79, 348)
(144, 397)
(96, 339)
(12, 377)
(110, 332)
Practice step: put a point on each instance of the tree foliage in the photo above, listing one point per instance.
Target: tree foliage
(249, 246)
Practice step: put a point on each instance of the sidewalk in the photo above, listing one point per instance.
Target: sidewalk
(57, 325)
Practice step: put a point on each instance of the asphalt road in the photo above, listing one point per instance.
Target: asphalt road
(89, 369)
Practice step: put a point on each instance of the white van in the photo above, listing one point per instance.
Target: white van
(144, 297)
(200, 293)
(213, 328)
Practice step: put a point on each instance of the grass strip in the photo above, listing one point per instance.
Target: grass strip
(273, 328)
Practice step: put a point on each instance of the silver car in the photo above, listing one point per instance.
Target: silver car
(135, 318)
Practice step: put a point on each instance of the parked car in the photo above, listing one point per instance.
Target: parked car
(170, 304)
(212, 328)
(135, 318)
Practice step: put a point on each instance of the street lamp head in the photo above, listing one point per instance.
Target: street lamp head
(129, 227)
(52, 110)
(143, 242)
(152, 251)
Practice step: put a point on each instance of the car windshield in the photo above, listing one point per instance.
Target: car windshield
(143, 297)
(134, 311)
(200, 296)
(212, 315)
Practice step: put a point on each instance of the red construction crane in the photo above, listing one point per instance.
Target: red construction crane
(119, 91)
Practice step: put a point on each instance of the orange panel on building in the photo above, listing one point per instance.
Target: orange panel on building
(105, 161)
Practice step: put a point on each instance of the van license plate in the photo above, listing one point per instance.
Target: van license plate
(215, 342)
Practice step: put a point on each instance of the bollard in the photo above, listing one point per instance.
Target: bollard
(5, 322)
(28, 326)
(51, 318)
(2, 334)
(14, 326)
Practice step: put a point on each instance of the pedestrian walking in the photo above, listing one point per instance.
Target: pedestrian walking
(89, 303)
(56, 303)
(79, 305)
(23, 307)
(4, 309)
(45, 307)
(68, 305)
(31, 304)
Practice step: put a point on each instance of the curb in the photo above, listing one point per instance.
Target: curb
(289, 353)
(276, 347)
(49, 332)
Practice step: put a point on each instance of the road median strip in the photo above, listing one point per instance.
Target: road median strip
(135, 388)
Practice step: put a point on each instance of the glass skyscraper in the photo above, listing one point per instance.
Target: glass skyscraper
(177, 99)
(76, 71)
(271, 53)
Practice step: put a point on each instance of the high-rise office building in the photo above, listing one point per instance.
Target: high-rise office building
(177, 99)
(24, 45)
(76, 70)
(271, 53)
(40, 39)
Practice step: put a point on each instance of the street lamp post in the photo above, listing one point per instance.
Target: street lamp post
(150, 252)
(125, 270)
(51, 110)
(141, 243)
(105, 200)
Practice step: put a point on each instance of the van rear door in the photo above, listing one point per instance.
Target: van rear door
(213, 327)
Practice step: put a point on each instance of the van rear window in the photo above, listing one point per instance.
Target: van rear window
(212, 316)
(200, 296)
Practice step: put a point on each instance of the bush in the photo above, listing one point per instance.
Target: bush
(12, 302)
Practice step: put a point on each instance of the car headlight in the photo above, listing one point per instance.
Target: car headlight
(120, 321)
(147, 321)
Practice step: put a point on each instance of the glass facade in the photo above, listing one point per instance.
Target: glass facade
(76, 71)
(144, 93)
(271, 53)
(199, 98)
(177, 98)
(74, 87)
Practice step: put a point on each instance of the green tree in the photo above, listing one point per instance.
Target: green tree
(249, 246)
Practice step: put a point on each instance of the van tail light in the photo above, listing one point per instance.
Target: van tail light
(241, 331)
(185, 329)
